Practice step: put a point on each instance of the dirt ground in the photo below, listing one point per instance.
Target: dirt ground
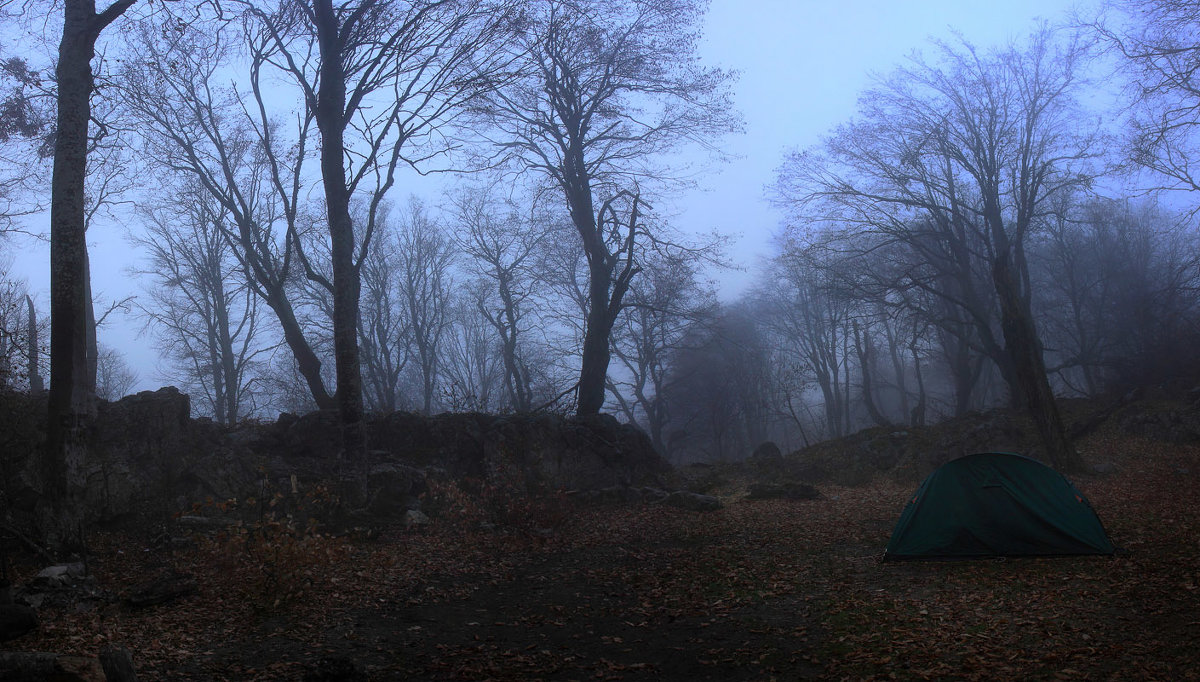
(756, 591)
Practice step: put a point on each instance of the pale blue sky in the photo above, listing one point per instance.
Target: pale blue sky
(802, 64)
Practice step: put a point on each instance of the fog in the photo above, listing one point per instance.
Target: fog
(805, 235)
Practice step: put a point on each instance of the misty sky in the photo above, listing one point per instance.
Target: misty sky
(802, 64)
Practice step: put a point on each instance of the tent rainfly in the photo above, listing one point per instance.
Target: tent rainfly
(996, 504)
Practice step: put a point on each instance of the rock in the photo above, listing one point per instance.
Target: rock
(33, 600)
(653, 495)
(34, 666)
(161, 590)
(414, 517)
(392, 487)
(16, 620)
(767, 452)
(59, 586)
(57, 576)
(117, 664)
(785, 491)
(1104, 468)
(692, 501)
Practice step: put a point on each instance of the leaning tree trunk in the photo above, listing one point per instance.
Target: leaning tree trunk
(330, 117)
(609, 277)
(596, 354)
(1025, 349)
(71, 406)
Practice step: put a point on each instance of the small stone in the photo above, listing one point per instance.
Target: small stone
(414, 517)
(653, 495)
(161, 590)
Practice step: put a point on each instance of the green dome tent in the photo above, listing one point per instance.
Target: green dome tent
(996, 504)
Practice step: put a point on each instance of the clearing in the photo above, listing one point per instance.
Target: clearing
(757, 590)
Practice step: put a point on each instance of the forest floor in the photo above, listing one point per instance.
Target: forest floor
(758, 590)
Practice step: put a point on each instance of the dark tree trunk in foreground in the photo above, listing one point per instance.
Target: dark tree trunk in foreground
(331, 120)
(71, 404)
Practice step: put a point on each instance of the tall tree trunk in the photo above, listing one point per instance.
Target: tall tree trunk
(596, 353)
(1025, 349)
(214, 362)
(918, 412)
(307, 362)
(898, 368)
(330, 117)
(866, 359)
(225, 368)
(1020, 337)
(71, 406)
(516, 381)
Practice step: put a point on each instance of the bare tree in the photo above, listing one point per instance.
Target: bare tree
(375, 76)
(667, 304)
(604, 88)
(1157, 44)
(1117, 283)
(503, 249)
(978, 142)
(424, 258)
(473, 369)
(13, 333)
(114, 377)
(239, 150)
(816, 325)
(383, 325)
(718, 388)
(204, 313)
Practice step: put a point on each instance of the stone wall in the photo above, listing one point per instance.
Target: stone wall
(150, 457)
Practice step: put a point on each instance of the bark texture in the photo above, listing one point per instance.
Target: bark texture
(71, 406)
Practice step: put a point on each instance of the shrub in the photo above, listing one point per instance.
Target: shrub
(504, 500)
(275, 561)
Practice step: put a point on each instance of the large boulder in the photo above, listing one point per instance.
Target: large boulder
(766, 453)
